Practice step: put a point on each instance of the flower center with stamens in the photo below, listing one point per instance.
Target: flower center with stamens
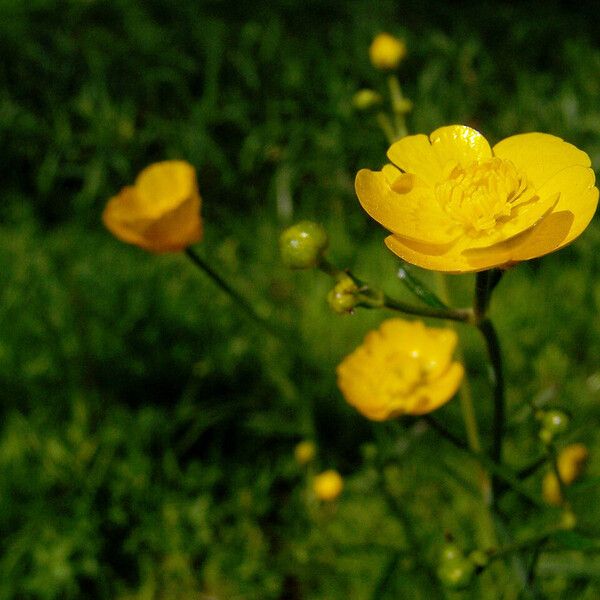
(481, 194)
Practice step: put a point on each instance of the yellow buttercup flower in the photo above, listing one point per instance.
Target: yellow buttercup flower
(386, 51)
(571, 462)
(403, 368)
(161, 211)
(328, 485)
(455, 204)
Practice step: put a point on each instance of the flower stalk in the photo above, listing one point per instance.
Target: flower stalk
(231, 292)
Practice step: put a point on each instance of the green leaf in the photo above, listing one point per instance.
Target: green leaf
(419, 289)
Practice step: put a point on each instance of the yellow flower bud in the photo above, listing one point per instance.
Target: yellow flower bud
(366, 99)
(571, 462)
(328, 485)
(342, 298)
(302, 245)
(304, 452)
(386, 51)
(161, 211)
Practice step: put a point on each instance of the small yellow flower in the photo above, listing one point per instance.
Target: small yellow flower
(328, 485)
(161, 211)
(403, 368)
(304, 452)
(386, 51)
(571, 462)
(455, 204)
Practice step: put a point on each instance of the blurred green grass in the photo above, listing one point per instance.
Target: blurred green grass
(147, 427)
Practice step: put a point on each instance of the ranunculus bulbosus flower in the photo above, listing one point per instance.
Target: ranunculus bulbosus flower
(455, 204)
(403, 368)
(161, 211)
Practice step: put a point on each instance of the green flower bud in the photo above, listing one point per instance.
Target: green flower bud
(555, 421)
(342, 298)
(366, 99)
(456, 574)
(302, 245)
(450, 551)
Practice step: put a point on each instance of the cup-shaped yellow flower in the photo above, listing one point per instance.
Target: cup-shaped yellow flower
(386, 51)
(161, 211)
(328, 485)
(455, 204)
(403, 368)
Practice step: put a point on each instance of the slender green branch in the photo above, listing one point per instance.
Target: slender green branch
(499, 471)
(233, 294)
(493, 347)
(463, 315)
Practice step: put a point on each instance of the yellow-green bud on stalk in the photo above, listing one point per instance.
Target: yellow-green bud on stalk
(343, 297)
(450, 551)
(366, 99)
(302, 245)
(555, 421)
(456, 574)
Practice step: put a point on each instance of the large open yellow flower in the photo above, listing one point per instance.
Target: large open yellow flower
(161, 211)
(455, 204)
(403, 368)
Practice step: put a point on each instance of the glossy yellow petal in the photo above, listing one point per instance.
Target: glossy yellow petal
(161, 212)
(447, 258)
(413, 213)
(426, 157)
(117, 216)
(165, 185)
(438, 392)
(577, 194)
(540, 155)
(459, 144)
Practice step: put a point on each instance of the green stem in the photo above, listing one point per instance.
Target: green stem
(412, 540)
(386, 126)
(463, 315)
(499, 471)
(493, 347)
(233, 294)
(398, 106)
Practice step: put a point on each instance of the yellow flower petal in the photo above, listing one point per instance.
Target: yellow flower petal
(414, 214)
(161, 212)
(577, 195)
(439, 391)
(540, 155)
(447, 258)
(164, 185)
(426, 157)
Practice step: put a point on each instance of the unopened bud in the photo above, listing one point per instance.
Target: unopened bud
(366, 99)
(302, 245)
(342, 298)
(386, 51)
